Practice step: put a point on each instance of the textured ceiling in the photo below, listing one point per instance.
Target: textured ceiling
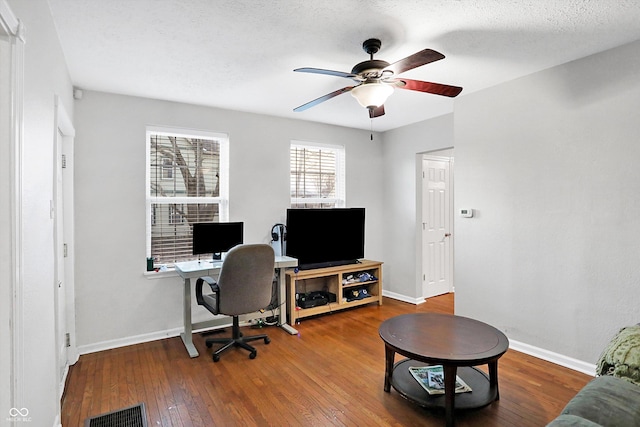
(240, 54)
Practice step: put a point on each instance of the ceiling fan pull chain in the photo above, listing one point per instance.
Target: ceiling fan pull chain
(371, 128)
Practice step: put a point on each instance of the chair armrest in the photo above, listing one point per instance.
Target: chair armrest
(214, 288)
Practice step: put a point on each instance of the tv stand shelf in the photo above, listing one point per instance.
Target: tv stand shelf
(335, 281)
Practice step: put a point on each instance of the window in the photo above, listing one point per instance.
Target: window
(167, 168)
(187, 182)
(317, 176)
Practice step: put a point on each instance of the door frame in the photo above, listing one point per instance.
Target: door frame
(12, 306)
(438, 155)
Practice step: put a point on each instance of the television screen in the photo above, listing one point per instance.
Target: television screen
(216, 237)
(325, 237)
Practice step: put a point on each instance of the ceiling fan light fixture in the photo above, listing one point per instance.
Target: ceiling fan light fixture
(372, 94)
(375, 79)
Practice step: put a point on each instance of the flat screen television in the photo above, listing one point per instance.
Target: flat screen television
(325, 237)
(216, 237)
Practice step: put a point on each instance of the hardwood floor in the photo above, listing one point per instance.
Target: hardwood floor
(330, 374)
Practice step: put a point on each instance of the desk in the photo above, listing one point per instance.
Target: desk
(194, 269)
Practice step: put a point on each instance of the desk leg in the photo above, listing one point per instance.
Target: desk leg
(187, 337)
(389, 356)
(450, 373)
(282, 303)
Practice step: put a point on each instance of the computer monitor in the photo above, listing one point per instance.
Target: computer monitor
(216, 237)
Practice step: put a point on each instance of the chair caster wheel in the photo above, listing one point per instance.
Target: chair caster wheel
(267, 340)
(216, 357)
(253, 354)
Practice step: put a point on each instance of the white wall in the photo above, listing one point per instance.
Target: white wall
(115, 302)
(550, 164)
(402, 153)
(45, 76)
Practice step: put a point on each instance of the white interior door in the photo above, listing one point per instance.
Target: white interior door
(64, 293)
(59, 271)
(437, 256)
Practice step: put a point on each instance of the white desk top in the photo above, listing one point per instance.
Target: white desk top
(190, 269)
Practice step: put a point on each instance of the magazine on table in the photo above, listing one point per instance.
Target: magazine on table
(431, 378)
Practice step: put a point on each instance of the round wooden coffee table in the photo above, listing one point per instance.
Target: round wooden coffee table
(451, 341)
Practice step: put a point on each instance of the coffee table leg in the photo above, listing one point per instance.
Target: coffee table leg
(450, 373)
(493, 377)
(389, 356)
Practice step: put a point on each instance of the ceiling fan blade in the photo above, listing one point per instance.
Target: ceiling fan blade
(435, 88)
(417, 59)
(323, 98)
(376, 111)
(327, 72)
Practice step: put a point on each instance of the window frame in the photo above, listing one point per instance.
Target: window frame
(222, 200)
(339, 201)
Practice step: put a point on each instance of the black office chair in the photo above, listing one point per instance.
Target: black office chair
(244, 286)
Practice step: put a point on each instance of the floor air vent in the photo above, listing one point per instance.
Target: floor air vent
(133, 416)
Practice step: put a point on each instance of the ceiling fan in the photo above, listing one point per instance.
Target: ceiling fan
(377, 78)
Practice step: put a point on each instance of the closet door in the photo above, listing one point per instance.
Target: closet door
(437, 253)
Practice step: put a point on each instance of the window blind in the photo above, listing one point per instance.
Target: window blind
(184, 177)
(316, 176)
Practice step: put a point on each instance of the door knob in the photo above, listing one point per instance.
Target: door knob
(447, 234)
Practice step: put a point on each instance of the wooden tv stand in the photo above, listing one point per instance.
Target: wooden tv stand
(333, 280)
